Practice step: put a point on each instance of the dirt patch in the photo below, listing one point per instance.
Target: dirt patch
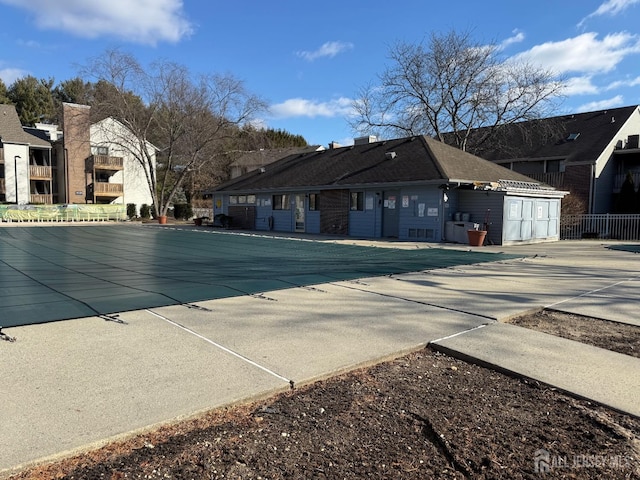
(614, 336)
(424, 415)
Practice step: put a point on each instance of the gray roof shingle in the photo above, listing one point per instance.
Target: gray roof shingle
(11, 130)
(548, 138)
(418, 159)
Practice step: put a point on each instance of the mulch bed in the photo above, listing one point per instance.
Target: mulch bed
(424, 415)
(614, 336)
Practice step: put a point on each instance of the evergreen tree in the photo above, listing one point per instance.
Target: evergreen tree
(4, 97)
(75, 90)
(33, 99)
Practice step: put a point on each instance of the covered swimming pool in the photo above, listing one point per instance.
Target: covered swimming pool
(50, 273)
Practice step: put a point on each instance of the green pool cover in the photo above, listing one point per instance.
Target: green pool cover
(635, 248)
(58, 272)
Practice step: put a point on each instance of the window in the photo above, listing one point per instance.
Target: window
(555, 166)
(242, 199)
(357, 201)
(100, 150)
(281, 202)
(314, 202)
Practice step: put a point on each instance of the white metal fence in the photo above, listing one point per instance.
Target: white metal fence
(605, 226)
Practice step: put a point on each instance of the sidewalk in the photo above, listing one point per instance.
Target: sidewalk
(74, 384)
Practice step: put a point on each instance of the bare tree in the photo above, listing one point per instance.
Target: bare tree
(450, 86)
(163, 106)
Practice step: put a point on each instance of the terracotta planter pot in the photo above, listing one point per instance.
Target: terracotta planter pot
(476, 237)
(162, 219)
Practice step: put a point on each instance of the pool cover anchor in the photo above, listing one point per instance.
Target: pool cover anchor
(196, 307)
(262, 296)
(5, 337)
(113, 318)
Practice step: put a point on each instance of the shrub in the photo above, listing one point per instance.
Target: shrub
(145, 211)
(131, 210)
(182, 211)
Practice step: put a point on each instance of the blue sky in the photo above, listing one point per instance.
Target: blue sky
(309, 59)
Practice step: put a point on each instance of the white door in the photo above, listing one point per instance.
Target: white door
(299, 213)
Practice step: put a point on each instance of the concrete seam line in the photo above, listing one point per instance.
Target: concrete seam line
(221, 347)
(592, 291)
(458, 333)
(411, 300)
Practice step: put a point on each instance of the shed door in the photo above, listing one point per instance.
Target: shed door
(390, 215)
(526, 226)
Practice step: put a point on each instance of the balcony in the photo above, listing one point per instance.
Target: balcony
(620, 179)
(39, 172)
(105, 189)
(105, 162)
(37, 198)
(555, 179)
(3, 188)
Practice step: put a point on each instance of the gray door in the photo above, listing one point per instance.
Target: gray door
(390, 214)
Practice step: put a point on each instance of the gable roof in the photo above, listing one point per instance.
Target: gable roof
(269, 155)
(578, 137)
(11, 130)
(116, 132)
(412, 160)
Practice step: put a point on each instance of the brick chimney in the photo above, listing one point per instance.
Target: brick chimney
(76, 125)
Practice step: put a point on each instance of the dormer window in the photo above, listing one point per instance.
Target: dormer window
(572, 136)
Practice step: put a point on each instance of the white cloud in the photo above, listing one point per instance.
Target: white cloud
(141, 21)
(300, 107)
(517, 37)
(609, 7)
(579, 86)
(328, 49)
(616, 101)
(584, 53)
(28, 43)
(631, 82)
(10, 75)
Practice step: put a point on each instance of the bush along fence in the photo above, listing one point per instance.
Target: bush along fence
(62, 213)
(601, 226)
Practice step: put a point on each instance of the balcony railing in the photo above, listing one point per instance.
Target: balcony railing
(3, 188)
(40, 198)
(39, 172)
(620, 179)
(104, 189)
(555, 179)
(105, 162)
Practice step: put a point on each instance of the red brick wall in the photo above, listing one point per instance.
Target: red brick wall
(75, 128)
(334, 212)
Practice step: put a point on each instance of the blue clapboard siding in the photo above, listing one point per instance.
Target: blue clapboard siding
(312, 220)
(479, 204)
(263, 212)
(416, 223)
(366, 223)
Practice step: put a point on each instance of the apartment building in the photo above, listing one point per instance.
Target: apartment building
(75, 163)
(26, 164)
